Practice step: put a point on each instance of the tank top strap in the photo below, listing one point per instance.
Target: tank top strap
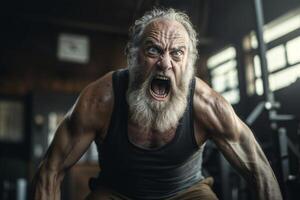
(120, 84)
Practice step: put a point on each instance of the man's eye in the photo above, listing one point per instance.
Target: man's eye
(153, 50)
(177, 53)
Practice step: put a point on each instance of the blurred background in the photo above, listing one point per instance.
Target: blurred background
(51, 50)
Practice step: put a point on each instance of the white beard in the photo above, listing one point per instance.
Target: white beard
(154, 115)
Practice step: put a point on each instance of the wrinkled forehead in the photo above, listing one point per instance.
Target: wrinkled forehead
(166, 32)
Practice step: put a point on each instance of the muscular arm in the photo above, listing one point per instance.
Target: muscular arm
(236, 141)
(86, 120)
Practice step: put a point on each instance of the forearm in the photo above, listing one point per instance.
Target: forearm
(46, 184)
(250, 160)
(261, 177)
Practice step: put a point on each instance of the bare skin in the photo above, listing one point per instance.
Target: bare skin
(88, 120)
(214, 119)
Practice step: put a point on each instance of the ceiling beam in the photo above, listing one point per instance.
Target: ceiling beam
(83, 25)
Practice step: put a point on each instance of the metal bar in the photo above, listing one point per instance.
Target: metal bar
(293, 148)
(282, 118)
(284, 155)
(269, 96)
(255, 113)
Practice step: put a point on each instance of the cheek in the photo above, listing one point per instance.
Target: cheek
(184, 62)
(148, 63)
(180, 67)
(183, 68)
(180, 70)
(147, 66)
(143, 60)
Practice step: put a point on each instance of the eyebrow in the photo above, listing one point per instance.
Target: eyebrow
(178, 48)
(151, 42)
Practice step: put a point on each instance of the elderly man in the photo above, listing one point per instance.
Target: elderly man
(150, 123)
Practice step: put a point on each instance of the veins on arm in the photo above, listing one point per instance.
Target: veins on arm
(73, 137)
(236, 141)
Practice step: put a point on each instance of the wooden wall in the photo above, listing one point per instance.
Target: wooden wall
(28, 59)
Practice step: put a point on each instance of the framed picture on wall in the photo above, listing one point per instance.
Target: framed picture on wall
(11, 120)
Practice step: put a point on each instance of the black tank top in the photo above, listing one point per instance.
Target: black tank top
(148, 174)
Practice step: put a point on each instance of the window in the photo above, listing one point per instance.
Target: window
(282, 37)
(224, 77)
(11, 121)
(293, 47)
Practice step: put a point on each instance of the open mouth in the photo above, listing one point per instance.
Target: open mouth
(160, 87)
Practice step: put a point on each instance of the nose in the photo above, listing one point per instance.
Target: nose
(164, 63)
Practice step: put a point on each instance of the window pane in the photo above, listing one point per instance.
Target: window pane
(259, 86)
(218, 58)
(284, 78)
(225, 76)
(232, 79)
(280, 29)
(232, 96)
(218, 83)
(11, 121)
(277, 29)
(257, 68)
(253, 39)
(293, 50)
(224, 68)
(276, 58)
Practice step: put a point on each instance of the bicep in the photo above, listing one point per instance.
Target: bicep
(69, 143)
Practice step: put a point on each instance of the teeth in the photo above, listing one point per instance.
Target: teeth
(162, 77)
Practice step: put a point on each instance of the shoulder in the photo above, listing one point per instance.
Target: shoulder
(99, 90)
(213, 111)
(94, 105)
(205, 96)
(97, 93)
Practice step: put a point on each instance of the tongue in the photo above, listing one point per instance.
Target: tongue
(159, 89)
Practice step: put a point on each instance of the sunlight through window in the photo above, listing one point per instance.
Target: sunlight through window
(227, 54)
(276, 58)
(278, 28)
(224, 75)
(293, 50)
(283, 54)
